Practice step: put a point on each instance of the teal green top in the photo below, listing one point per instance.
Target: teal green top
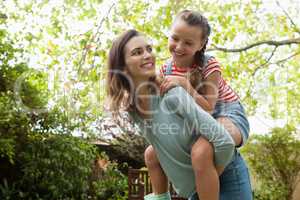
(176, 123)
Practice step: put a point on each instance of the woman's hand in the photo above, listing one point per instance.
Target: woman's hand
(173, 81)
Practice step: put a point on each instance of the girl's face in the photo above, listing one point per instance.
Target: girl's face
(184, 41)
(139, 59)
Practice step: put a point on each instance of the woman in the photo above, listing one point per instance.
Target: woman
(171, 123)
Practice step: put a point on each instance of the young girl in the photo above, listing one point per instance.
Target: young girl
(200, 75)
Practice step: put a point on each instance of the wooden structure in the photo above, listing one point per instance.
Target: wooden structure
(139, 185)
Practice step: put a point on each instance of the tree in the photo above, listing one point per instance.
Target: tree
(258, 47)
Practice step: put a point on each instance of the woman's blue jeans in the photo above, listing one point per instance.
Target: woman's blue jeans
(234, 182)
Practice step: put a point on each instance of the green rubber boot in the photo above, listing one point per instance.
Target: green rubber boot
(164, 196)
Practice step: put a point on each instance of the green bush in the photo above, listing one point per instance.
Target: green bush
(275, 163)
(39, 159)
(8, 192)
(60, 167)
(57, 166)
(112, 185)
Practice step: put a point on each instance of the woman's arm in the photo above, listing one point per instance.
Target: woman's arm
(198, 121)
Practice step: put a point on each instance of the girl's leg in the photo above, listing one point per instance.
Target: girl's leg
(158, 178)
(207, 179)
(235, 181)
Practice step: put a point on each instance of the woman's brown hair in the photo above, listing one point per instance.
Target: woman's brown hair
(119, 87)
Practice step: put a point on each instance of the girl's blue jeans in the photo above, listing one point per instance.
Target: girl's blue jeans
(234, 182)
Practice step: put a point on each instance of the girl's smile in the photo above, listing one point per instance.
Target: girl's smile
(184, 42)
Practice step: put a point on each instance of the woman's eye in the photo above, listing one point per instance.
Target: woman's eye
(149, 49)
(137, 52)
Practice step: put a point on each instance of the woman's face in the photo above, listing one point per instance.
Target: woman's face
(139, 58)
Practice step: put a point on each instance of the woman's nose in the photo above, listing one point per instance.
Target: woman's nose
(147, 55)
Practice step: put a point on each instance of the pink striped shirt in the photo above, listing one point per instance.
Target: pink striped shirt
(226, 93)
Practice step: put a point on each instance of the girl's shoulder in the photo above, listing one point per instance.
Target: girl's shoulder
(209, 59)
(210, 65)
(167, 63)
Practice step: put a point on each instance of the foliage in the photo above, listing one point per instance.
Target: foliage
(14, 124)
(60, 167)
(112, 184)
(275, 162)
(69, 40)
(57, 166)
(39, 158)
(7, 192)
(21, 101)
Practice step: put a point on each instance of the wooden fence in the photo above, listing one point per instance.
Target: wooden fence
(139, 185)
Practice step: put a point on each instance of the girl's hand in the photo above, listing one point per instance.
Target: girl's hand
(173, 81)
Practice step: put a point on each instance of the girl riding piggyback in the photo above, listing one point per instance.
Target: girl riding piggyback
(201, 76)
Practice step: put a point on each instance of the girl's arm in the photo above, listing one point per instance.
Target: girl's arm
(207, 100)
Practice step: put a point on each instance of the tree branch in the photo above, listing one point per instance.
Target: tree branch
(275, 63)
(267, 61)
(287, 58)
(288, 16)
(85, 50)
(265, 42)
(98, 33)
